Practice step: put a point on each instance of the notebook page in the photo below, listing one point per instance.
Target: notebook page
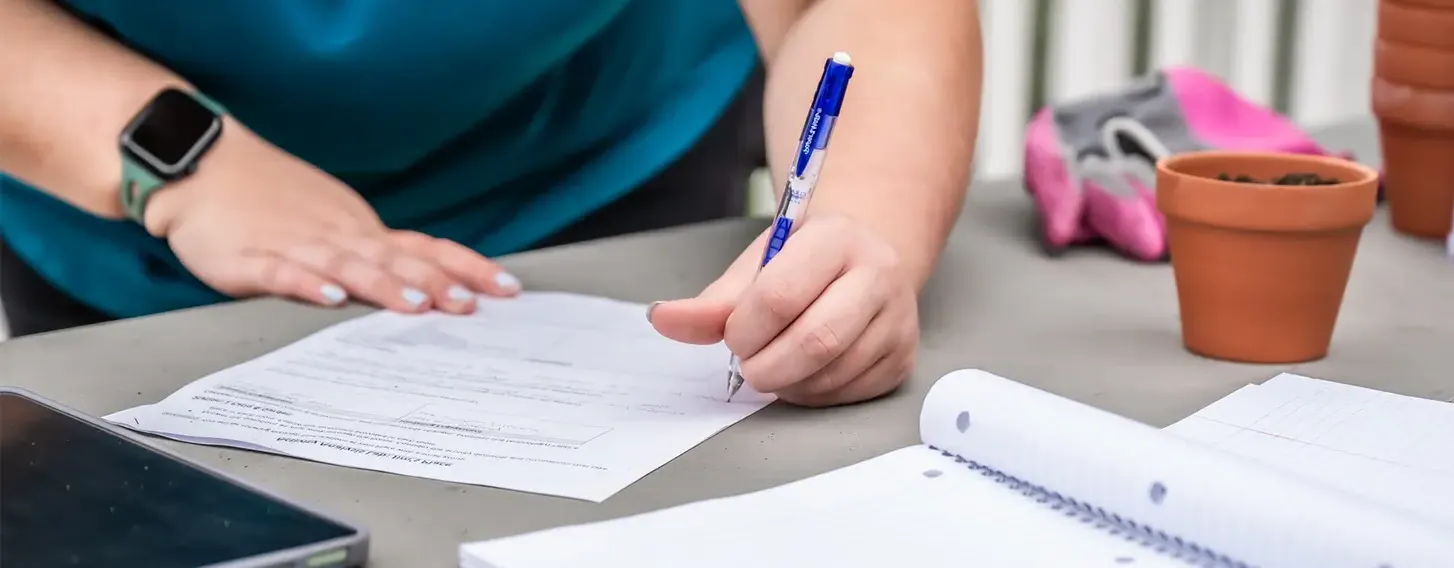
(1390, 448)
(1139, 474)
(910, 507)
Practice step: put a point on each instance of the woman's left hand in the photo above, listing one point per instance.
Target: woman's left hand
(831, 320)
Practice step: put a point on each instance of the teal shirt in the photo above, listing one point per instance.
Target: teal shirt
(493, 123)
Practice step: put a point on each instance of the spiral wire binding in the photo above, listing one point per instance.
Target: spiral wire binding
(1157, 540)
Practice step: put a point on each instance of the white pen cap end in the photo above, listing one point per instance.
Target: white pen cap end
(842, 58)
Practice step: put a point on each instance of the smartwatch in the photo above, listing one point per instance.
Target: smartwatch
(163, 143)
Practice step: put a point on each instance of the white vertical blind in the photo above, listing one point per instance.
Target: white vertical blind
(1232, 39)
(1005, 103)
(1091, 47)
(1174, 35)
(1194, 33)
(1254, 48)
(1092, 43)
(1333, 59)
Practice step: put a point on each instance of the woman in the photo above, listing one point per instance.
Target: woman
(382, 151)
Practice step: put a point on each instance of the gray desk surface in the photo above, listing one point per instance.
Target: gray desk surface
(1089, 325)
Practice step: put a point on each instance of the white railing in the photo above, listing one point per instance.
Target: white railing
(1092, 46)
(1328, 47)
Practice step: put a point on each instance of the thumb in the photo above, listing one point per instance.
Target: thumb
(700, 320)
(703, 320)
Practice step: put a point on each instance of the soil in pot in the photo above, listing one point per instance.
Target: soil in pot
(1299, 178)
(1262, 258)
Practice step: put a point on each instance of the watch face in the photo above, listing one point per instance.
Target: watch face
(171, 131)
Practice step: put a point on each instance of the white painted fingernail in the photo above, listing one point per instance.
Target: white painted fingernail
(507, 281)
(460, 293)
(333, 293)
(414, 297)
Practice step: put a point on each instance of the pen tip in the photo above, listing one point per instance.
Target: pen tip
(732, 384)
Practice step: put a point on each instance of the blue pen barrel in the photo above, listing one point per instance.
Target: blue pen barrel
(817, 129)
(827, 102)
(803, 175)
(780, 229)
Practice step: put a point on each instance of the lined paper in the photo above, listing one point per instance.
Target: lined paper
(1235, 507)
(1025, 478)
(909, 507)
(1394, 449)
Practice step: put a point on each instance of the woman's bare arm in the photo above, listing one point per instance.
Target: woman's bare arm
(902, 150)
(68, 91)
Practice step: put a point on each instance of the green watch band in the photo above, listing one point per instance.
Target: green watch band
(138, 183)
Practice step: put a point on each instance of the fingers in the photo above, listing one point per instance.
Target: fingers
(881, 378)
(361, 279)
(784, 289)
(698, 321)
(740, 273)
(400, 271)
(469, 268)
(884, 339)
(822, 335)
(702, 320)
(278, 276)
(424, 281)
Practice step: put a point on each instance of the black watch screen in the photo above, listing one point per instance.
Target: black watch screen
(171, 133)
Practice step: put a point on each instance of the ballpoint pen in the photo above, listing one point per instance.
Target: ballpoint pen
(803, 176)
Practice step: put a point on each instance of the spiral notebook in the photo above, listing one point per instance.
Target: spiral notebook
(1010, 476)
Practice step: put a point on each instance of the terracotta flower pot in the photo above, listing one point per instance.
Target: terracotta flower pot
(1415, 24)
(1413, 98)
(1417, 66)
(1261, 269)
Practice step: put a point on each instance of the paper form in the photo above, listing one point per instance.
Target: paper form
(550, 393)
(1394, 449)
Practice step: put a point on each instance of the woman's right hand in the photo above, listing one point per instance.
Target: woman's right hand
(255, 220)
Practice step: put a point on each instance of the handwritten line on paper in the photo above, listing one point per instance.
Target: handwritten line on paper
(550, 393)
